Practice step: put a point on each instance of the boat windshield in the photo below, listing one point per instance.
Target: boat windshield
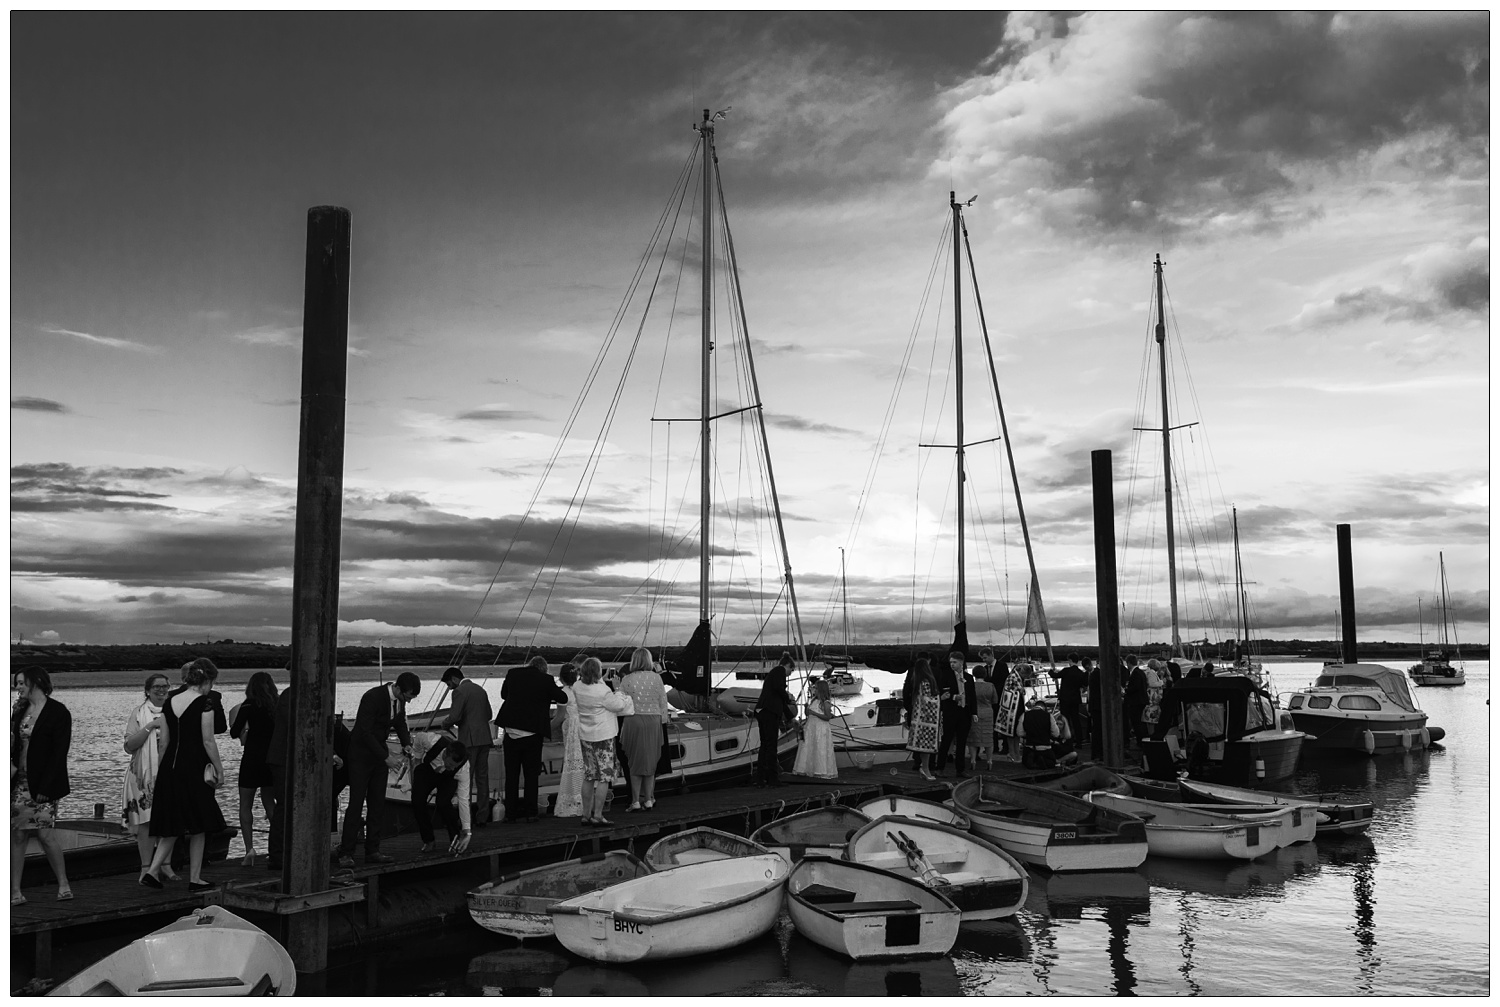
(1204, 720)
(1258, 714)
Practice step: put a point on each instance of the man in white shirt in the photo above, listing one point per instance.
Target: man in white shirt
(444, 769)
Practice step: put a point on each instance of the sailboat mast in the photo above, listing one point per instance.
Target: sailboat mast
(844, 592)
(1240, 609)
(705, 505)
(1166, 454)
(1443, 586)
(958, 357)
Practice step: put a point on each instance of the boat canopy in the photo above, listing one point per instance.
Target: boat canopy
(1387, 680)
(1227, 706)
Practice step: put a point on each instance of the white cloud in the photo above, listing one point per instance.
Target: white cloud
(110, 341)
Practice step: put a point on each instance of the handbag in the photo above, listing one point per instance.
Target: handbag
(210, 775)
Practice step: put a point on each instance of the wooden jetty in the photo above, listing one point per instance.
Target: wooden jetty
(51, 939)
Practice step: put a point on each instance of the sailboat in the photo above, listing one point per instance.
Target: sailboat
(1236, 708)
(845, 675)
(1436, 668)
(703, 744)
(875, 732)
(1244, 661)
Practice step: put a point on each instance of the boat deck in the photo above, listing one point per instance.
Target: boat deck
(424, 889)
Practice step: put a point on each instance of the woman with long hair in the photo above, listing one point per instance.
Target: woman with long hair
(41, 732)
(815, 753)
(253, 725)
(922, 722)
(640, 733)
(191, 771)
(143, 743)
(570, 785)
(599, 708)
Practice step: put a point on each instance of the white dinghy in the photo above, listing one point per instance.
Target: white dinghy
(1178, 830)
(208, 953)
(516, 905)
(698, 845)
(984, 881)
(902, 806)
(867, 913)
(818, 832)
(1050, 828)
(689, 910)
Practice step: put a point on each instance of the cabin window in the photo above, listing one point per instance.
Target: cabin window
(1319, 702)
(727, 745)
(1358, 703)
(1296, 703)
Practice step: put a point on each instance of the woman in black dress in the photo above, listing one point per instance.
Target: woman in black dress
(252, 726)
(190, 773)
(41, 730)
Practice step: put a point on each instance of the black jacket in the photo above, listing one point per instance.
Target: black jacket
(373, 724)
(526, 700)
(47, 752)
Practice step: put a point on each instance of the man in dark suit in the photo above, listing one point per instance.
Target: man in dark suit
(380, 710)
(1072, 685)
(959, 710)
(469, 718)
(525, 714)
(444, 769)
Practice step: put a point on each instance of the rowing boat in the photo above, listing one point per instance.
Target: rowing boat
(1180, 830)
(984, 881)
(695, 846)
(863, 912)
(517, 905)
(210, 952)
(820, 831)
(914, 807)
(688, 910)
(1050, 828)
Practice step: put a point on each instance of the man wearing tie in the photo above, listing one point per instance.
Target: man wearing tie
(959, 711)
(380, 710)
(470, 721)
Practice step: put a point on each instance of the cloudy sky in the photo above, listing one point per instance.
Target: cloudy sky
(1316, 184)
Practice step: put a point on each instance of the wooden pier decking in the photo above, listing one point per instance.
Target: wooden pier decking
(420, 889)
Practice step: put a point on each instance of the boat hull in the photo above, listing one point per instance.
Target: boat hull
(211, 952)
(1184, 832)
(871, 734)
(981, 879)
(1439, 680)
(1333, 817)
(1387, 735)
(818, 832)
(915, 807)
(518, 905)
(700, 845)
(1051, 829)
(689, 910)
(868, 914)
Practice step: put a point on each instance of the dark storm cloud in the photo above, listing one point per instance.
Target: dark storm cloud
(1215, 121)
(804, 425)
(1442, 282)
(56, 487)
(34, 405)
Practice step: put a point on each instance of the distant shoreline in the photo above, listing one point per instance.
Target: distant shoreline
(133, 661)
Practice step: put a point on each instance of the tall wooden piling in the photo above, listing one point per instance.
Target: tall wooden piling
(1111, 719)
(1346, 593)
(315, 578)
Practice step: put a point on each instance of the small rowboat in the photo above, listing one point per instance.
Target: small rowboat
(1334, 817)
(517, 905)
(210, 953)
(688, 910)
(695, 846)
(1298, 825)
(1177, 830)
(1050, 828)
(915, 807)
(984, 881)
(1080, 781)
(821, 831)
(864, 912)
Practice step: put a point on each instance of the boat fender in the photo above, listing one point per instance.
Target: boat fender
(1406, 740)
(1435, 734)
(1260, 769)
(1426, 737)
(1369, 740)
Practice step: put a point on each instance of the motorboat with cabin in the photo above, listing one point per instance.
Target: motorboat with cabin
(1222, 729)
(1365, 708)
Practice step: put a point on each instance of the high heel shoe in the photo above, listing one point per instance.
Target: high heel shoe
(648, 805)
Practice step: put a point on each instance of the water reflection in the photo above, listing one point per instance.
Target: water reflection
(1265, 877)
(749, 968)
(517, 970)
(822, 973)
(1119, 899)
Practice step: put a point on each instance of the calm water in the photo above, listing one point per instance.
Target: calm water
(1401, 911)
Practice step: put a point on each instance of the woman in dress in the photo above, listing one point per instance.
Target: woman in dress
(191, 771)
(1009, 711)
(640, 733)
(253, 725)
(986, 698)
(599, 707)
(922, 721)
(815, 753)
(41, 731)
(143, 743)
(570, 785)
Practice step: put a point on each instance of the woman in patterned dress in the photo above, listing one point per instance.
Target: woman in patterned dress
(922, 722)
(570, 785)
(599, 709)
(640, 733)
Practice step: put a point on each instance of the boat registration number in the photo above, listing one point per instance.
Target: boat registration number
(496, 903)
(1064, 833)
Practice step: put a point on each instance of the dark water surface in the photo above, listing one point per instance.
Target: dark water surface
(1403, 910)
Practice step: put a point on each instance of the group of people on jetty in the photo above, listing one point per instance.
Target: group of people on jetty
(994, 708)
(608, 722)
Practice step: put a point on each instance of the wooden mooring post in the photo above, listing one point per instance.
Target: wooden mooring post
(315, 578)
(1346, 593)
(1111, 719)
